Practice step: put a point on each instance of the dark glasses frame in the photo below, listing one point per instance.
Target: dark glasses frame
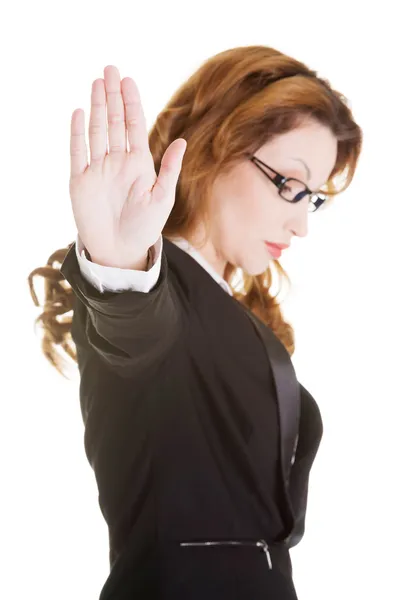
(317, 199)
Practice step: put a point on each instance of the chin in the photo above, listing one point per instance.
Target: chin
(256, 267)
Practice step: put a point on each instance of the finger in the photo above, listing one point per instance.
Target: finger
(78, 148)
(170, 169)
(138, 136)
(97, 125)
(115, 111)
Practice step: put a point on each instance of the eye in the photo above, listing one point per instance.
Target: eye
(287, 188)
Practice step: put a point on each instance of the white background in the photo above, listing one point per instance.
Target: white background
(344, 301)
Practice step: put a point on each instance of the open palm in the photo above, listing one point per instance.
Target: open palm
(119, 204)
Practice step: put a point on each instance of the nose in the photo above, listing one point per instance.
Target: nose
(298, 220)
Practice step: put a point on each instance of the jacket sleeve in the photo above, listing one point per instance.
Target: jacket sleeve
(130, 331)
(311, 430)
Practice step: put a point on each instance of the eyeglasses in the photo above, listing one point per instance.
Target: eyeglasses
(290, 189)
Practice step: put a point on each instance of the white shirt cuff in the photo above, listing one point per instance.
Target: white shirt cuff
(113, 279)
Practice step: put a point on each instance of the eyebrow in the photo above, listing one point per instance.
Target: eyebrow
(305, 165)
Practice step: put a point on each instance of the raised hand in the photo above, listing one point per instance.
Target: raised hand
(119, 204)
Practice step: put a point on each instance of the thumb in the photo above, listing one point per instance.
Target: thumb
(171, 164)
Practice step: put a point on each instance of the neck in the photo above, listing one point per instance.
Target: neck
(207, 249)
(210, 254)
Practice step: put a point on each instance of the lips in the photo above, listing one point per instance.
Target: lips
(275, 250)
(280, 246)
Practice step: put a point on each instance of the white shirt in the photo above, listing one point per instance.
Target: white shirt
(117, 280)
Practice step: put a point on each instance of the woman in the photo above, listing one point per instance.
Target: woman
(200, 436)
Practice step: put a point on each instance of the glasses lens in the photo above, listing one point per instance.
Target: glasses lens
(293, 190)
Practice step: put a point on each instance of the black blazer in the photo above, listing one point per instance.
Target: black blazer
(175, 459)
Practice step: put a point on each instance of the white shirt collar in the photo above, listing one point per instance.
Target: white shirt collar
(187, 247)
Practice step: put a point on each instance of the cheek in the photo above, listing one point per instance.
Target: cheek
(256, 211)
(245, 209)
(248, 202)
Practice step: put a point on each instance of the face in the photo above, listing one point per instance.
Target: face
(247, 210)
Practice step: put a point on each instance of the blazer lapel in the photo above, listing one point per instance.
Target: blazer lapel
(288, 397)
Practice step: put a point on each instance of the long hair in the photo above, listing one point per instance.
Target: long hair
(233, 104)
